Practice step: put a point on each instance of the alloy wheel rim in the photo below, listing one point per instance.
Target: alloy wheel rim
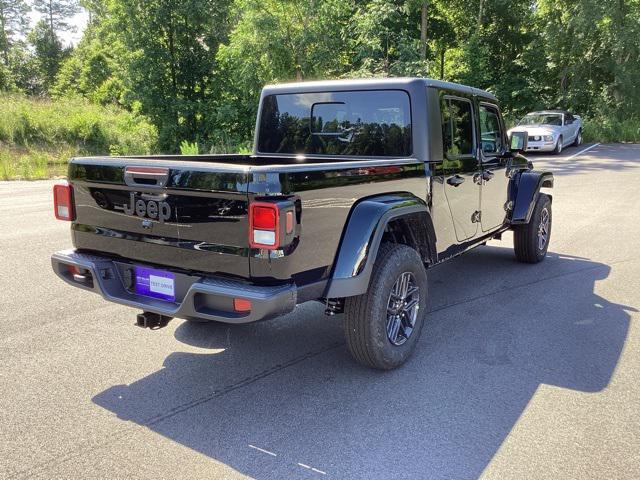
(543, 229)
(402, 308)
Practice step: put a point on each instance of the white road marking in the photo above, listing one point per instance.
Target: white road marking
(263, 450)
(311, 468)
(582, 151)
(300, 464)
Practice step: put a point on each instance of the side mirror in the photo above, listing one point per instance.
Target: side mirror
(518, 141)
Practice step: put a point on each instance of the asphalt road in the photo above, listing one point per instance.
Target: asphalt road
(522, 372)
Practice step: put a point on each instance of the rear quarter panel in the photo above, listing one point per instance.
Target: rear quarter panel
(326, 194)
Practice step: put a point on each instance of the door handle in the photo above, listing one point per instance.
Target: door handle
(455, 181)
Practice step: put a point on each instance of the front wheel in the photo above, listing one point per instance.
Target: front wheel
(531, 241)
(559, 146)
(383, 325)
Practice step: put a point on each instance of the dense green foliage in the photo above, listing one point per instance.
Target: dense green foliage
(195, 67)
(38, 134)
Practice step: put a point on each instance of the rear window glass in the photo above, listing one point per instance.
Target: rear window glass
(367, 123)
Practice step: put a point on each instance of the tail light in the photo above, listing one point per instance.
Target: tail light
(264, 225)
(63, 202)
(271, 224)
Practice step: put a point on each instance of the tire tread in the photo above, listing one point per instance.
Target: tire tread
(525, 237)
(359, 313)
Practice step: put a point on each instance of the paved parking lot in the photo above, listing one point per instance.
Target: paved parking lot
(522, 372)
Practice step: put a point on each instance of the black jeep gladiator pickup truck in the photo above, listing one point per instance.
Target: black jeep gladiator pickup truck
(354, 190)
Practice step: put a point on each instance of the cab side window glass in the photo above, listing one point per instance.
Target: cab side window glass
(491, 136)
(457, 127)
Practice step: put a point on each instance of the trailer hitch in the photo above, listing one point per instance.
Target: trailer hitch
(152, 321)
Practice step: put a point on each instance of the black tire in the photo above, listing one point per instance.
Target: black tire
(559, 146)
(527, 241)
(367, 317)
(578, 139)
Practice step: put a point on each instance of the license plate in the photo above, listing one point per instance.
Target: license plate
(155, 283)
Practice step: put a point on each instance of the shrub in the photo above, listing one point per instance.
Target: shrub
(189, 148)
(93, 129)
(607, 130)
(38, 136)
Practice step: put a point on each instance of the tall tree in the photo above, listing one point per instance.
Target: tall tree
(96, 68)
(57, 13)
(170, 61)
(387, 36)
(276, 41)
(49, 53)
(14, 21)
(25, 72)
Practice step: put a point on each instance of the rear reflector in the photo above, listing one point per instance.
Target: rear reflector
(289, 223)
(264, 225)
(73, 269)
(63, 202)
(241, 305)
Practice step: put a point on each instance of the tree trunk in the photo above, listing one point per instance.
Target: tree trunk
(386, 55)
(619, 48)
(442, 53)
(423, 32)
(172, 69)
(5, 39)
(51, 17)
(480, 9)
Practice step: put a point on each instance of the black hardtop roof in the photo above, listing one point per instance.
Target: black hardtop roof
(372, 84)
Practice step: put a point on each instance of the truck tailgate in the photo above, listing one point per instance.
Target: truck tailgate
(187, 215)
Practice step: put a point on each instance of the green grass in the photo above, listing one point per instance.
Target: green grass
(38, 136)
(33, 164)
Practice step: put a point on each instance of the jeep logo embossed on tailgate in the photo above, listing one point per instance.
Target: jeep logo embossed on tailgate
(151, 209)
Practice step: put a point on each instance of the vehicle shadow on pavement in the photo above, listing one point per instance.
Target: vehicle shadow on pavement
(283, 399)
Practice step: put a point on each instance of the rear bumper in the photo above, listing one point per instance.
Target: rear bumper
(197, 297)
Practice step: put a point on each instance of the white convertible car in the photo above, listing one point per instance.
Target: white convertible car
(550, 130)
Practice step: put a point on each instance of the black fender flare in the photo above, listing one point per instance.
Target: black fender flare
(362, 237)
(526, 190)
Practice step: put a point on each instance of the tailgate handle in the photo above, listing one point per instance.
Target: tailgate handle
(152, 177)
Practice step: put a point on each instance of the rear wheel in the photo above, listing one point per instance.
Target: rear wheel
(578, 139)
(559, 146)
(531, 241)
(383, 325)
